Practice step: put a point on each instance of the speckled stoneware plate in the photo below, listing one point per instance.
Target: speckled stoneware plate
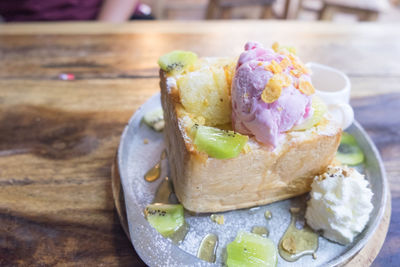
(135, 158)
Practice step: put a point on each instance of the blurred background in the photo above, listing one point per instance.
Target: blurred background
(124, 10)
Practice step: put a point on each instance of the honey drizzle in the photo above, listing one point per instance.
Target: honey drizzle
(164, 192)
(260, 230)
(208, 248)
(154, 173)
(296, 243)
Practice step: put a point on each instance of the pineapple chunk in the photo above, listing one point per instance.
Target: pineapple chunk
(206, 93)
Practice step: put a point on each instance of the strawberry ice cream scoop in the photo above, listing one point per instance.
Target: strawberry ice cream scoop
(271, 93)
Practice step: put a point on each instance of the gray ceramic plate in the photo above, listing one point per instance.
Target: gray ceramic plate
(135, 158)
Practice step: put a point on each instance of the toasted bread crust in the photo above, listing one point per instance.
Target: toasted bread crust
(255, 178)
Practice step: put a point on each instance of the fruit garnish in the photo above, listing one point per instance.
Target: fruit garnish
(165, 218)
(319, 110)
(193, 130)
(349, 152)
(155, 119)
(283, 49)
(290, 49)
(217, 143)
(204, 93)
(177, 61)
(250, 249)
(306, 87)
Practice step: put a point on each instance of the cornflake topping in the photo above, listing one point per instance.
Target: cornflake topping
(273, 89)
(285, 63)
(298, 65)
(296, 73)
(274, 67)
(275, 46)
(334, 171)
(271, 94)
(306, 87)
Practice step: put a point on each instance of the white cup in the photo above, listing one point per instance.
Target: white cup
(333, 87)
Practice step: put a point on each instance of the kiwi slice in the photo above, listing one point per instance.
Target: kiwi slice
(165, 218)
(250, 249)
(217, 143)
(177, 61)
(290, 49)
(319, 108)
(349, 151)
(155, 119)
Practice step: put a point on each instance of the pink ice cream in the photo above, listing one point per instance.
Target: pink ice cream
(250, 114)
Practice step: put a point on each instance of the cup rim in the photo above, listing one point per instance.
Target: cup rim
(328, 68)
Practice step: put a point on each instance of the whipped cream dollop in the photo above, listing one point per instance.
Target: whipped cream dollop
(340, 204)
(271, 93)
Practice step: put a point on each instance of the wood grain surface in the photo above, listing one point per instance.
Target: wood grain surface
(58, 138)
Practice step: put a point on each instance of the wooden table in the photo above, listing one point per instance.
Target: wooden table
(58, 138)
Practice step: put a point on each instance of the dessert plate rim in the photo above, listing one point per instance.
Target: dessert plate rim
(138, 224)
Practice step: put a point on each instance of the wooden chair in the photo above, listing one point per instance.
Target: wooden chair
(222, 9)
(168, 9)
(365, 10)
(314, 6)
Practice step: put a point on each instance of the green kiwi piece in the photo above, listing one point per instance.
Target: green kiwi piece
(349, 152)
(155, 119)
(217, 143)
(177, 61)
(165, 218)
(319, 108)
(290, 49)
(248, 250)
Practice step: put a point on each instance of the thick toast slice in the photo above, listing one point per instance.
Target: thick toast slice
(256, 177)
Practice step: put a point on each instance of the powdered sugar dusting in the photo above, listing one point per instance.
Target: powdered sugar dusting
(171, 83)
